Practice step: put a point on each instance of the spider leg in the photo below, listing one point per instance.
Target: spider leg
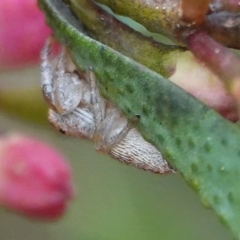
(97, 103)
(67, 90)
(61, 87)
(78, 123)
(46, 69)
(115, 128)
(106, 115)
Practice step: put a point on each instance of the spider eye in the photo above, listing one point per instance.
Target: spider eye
(62, 131)
(137, 116)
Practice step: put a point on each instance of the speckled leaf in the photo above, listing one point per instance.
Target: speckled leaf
(202, 146)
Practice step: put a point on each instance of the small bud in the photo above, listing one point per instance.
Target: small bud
(22, 33)
(34, 179)
(198, 80)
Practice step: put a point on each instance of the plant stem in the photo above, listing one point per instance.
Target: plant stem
(193, 12)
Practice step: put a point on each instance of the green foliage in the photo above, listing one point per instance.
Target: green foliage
(199, 143)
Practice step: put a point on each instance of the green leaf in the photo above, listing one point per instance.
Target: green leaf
(202, 145)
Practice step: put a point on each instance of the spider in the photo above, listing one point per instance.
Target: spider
(77, 109)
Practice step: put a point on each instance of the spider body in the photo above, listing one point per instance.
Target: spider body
(77, 109)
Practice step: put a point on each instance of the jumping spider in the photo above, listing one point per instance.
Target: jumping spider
(78, 109)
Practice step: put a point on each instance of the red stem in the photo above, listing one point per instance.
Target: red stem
(219, 59)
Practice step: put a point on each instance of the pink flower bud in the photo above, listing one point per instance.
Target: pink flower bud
(34, 179)
(203, 84)
(22, 33)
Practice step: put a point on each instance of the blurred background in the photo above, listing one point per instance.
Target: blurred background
(114, 201)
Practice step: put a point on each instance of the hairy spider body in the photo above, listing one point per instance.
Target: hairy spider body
(77, 109)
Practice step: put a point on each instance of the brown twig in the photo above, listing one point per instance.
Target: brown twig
(193, 12)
